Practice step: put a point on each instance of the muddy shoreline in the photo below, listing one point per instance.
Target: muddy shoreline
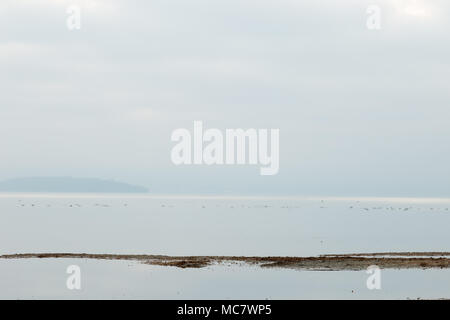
(335, 262)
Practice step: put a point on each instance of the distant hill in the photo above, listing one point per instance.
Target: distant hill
(68, 185)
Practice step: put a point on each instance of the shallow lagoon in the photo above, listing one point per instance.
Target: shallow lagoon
(220, 226)
(216, 226)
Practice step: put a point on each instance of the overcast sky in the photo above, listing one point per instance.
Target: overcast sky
(360, 112)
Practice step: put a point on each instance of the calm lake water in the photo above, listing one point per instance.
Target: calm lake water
(216, 226)
(220, 226)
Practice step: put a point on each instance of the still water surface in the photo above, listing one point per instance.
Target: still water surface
(216, 226)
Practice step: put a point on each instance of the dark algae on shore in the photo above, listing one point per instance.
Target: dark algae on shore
(358, 261)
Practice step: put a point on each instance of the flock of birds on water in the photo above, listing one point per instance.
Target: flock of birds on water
(357, 206)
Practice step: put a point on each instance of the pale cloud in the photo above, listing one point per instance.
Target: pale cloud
(352, 105)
